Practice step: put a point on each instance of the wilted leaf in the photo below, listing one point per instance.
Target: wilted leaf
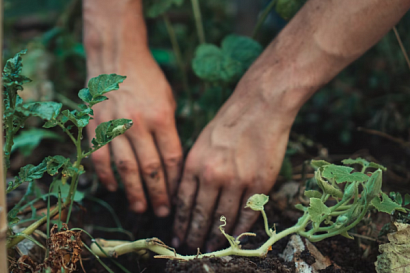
(257, 202)
(395, 256)
(317, 209)
(343, 174)
(387, 205)
(28, 140)
(326, 187)
(12, 77)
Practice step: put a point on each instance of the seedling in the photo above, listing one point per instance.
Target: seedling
(320, 220)
(16, 112)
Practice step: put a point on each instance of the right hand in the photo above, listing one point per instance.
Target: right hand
(150, 151)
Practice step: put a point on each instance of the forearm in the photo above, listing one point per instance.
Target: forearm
(113, 30)
(321, 40)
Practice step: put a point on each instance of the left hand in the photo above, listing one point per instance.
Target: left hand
(237, 155)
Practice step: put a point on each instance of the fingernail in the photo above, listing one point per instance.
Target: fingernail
(111, 187)
(162, 211)
(175, 242)
(138, 207)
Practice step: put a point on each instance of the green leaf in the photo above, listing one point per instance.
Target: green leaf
(257, 202)
(80, 119)
(325, 186)
(387, 205)
(406, 199)
(398, 199)
(28, 140)
(373, 187)
(300, 207)
(46, 110)
(343, 174)
(358, 160)
(316, 164)
(65, 191)
(155, 8)
(317, 210)
(312, 194)
(228, 63)
(12, 77)
(54, 163)
(288, 8)
(98, 86)
(107, 131)
(377, 166)
(28, 173)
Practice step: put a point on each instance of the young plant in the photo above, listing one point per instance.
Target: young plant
(362, 191)
(16, 112)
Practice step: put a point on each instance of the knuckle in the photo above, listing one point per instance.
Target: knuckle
(151, 169)
(173, 161)
(126, 166)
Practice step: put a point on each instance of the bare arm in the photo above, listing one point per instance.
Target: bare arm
(240, 152)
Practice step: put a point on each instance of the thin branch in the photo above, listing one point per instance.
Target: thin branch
(401, 46)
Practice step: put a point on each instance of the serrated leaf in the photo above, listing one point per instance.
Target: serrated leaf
(406, 199)
(312, 194)
(257, 201)
(288, 8)
(155, 8)
(377, 166)
(228, 63)
(107, 131)
(316, 164)
(46, 110)
(28, 140)
(98, 86)
(317, 210)
(343, 174)
(28, 173)
(358, 160)
(12, 77)
(387, 205)
(80, 119)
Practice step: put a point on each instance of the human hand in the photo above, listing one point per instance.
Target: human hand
(237, 155)
(150, 150)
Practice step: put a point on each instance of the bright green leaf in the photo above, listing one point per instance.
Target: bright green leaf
(300, 207)
(257, 202)
(242, 49)
(317, 210)
(343, 174)
(387, 205)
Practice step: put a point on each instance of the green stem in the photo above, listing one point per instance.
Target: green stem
(265, 221)
(198, 21)
(178, 56)
(262, 18)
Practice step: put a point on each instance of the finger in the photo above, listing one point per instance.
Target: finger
(228, 206)
(247, 217)
(152, 172)
(185, 201)
(170, 149)
(102, 163)
(127, 167)
(202, 214)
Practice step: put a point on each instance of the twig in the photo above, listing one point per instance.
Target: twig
(198, 21)
(382, 134)
(401, 46)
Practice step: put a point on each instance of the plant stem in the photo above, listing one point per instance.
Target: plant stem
(262, 18)
(265, 221)
(406, 57)
(178, 57)
(198, 20)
